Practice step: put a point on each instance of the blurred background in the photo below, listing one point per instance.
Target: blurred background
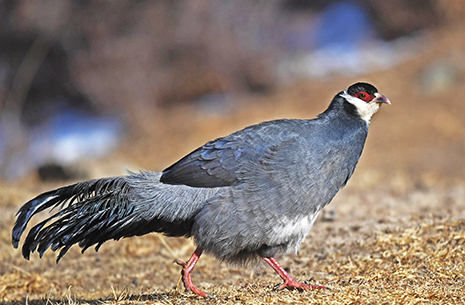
(90, 87)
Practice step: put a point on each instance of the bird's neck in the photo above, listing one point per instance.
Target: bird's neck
(344, 115)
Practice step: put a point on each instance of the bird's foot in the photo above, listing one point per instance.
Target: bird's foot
(291, 284)
(186, 273)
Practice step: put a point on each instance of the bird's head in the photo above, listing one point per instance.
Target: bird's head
(365, 98)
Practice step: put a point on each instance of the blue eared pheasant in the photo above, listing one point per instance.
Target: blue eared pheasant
(252, 194)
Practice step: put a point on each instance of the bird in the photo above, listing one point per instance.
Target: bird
(251, 195)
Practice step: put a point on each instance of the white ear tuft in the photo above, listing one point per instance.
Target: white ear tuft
(365, 109)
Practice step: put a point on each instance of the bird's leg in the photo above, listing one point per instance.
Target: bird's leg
(289, 282)
(187, 268)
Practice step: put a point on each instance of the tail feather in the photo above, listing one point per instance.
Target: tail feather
(28, 210)
(64, 232)
(78, 192)
(89, 213)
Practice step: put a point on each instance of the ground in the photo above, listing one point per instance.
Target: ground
(394, 235)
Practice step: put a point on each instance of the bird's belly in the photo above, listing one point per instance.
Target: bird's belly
(293, 232)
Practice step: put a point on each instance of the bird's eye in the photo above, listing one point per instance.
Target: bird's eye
(363, 96)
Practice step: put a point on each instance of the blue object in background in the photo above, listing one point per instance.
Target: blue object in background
(68, 137)
(341, 39)
(71, 136)
(343, 24)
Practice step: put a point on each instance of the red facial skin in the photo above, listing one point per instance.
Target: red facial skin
(364, 96)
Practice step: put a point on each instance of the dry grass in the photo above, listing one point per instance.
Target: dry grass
(413, 254)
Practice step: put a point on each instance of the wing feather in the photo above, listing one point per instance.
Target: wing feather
(223, 161)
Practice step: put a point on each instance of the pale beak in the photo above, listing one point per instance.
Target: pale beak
(379, 98)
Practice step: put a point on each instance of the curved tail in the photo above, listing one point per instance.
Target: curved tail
(88, 213)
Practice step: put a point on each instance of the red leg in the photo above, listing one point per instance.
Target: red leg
(186, 272)
(289, 282)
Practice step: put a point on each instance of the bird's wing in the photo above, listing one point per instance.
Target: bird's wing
(212, 165)
(221, 162)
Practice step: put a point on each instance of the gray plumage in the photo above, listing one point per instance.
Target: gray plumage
(254, 193)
